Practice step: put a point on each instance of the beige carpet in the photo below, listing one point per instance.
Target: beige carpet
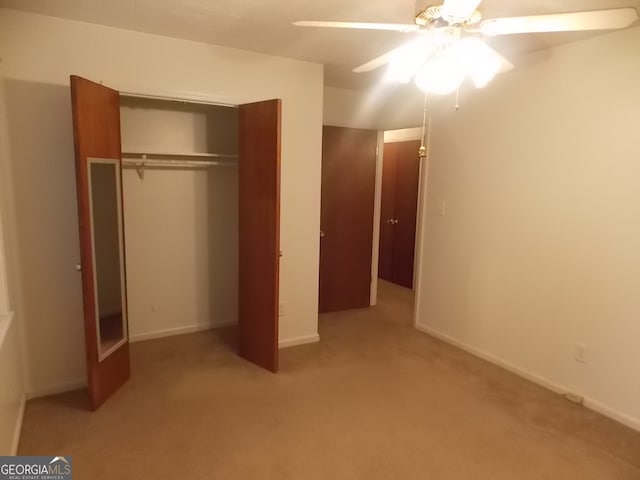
(374, 400)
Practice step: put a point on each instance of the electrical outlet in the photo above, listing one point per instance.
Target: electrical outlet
(580, 353)
(281, 310)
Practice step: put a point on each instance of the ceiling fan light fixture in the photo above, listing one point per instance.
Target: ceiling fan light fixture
(481, 62)
(440, 75)
(406, 61)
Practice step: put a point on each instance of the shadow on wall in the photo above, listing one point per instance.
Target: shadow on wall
(42, 170)
(223, 211)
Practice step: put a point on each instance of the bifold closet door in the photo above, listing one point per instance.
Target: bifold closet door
(398, 212)
(259, 232)
(96, 129)
(346, 217)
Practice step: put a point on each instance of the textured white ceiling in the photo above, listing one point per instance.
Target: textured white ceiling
(265, 25)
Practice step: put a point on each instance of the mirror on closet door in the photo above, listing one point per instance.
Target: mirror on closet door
(108, 254)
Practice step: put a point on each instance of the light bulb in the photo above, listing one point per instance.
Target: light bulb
(442, 74)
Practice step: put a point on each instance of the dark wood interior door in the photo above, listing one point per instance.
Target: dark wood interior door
(401, 172)
(387, 211)
(96, 129)
(346, 219)
(406, 206)
(259, 232)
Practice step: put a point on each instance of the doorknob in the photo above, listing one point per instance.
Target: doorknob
(321, 234)
(78, 267)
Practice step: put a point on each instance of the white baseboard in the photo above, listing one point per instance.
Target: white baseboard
(589, 403)
(292, 342)
(18, 428)
(607, 411)
(58, 388)
(179, 331)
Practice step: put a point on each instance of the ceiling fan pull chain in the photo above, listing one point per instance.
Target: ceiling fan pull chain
(457, 98)
(422, 151)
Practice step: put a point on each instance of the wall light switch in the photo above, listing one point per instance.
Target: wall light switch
(442, 208)
(580, 353)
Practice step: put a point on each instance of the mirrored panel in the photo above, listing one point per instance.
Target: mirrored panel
(108, 263)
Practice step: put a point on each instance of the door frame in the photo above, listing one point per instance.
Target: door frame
(401, 135)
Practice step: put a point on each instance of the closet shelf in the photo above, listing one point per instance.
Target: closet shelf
(165, 155)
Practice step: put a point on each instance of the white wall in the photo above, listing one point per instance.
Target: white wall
(383, 107)
(538, 250)
(12, 391)
(12, 396)
(38, 55)
(349, 108)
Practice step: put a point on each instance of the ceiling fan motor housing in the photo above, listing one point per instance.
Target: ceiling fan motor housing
(433, 16)
(428, 17)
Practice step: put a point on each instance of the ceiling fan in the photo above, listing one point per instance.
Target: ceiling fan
(449, 47)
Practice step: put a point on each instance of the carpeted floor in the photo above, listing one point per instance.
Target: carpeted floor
(374, 400)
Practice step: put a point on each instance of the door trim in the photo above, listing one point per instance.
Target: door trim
(377, 206)
(421, 214)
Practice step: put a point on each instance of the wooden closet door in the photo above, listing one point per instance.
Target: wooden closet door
(407, 171)
(96, 129)
(346, 219)
(387, 211)
(259, 232)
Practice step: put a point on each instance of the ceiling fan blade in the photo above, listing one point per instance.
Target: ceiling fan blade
(505, 65)
(377, 62)
(459, 10)
(405, 50)
(615, 18)
(394, 27)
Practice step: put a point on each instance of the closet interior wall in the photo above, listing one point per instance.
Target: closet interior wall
(180, 224)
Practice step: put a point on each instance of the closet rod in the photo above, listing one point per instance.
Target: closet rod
(169, 155)
(177, 163)
(140, 165)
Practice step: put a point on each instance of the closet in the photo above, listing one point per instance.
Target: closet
(398, 210)
(178, 206)
(180, 190)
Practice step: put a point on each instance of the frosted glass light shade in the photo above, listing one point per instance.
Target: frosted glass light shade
(442, 74)
(480, 61)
